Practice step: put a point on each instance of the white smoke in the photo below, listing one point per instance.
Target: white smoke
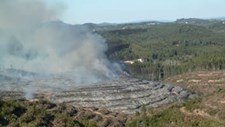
(31, 41)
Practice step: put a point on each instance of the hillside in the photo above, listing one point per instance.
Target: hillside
(125, 94)
(205, 111)
(166, 49)
(189, 53)
(203, 82)
(217, 25)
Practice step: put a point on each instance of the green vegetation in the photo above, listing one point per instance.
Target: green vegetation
(41, 113)
(193, 113)
(173, 117)
(34, 114)
(193, 104)
(167, 48)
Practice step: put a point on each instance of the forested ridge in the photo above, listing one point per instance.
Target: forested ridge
(167, 48)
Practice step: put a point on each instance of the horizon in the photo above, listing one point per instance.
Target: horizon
(162, 21)
(86, 11)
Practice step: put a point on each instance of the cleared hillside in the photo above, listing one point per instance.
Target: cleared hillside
(205, 111)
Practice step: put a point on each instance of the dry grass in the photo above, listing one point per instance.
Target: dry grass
(203, 82)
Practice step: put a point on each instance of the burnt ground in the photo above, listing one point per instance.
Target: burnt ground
(123, 95)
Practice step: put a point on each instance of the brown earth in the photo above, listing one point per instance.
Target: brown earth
(203, 82)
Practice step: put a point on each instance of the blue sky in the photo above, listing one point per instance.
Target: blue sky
(120, 11)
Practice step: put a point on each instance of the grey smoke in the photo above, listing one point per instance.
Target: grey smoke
(31, 40)
(28, 92)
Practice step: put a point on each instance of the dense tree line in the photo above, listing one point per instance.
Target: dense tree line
(167, 49)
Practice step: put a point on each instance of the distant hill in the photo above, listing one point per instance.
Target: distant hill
(195, 21)
(216, 24)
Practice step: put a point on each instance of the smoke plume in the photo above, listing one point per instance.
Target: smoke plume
(31, 40)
